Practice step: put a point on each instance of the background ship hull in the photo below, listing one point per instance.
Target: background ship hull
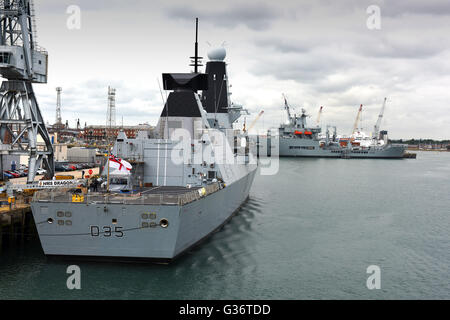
(299, 148)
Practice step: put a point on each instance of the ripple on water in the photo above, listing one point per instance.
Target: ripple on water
(309, 232)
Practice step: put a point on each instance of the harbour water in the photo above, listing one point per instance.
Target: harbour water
(309, 232)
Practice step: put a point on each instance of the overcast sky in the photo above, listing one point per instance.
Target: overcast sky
(316, 52)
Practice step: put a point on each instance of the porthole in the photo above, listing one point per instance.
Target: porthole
(164, 223)
(114, 221)
(50, 220)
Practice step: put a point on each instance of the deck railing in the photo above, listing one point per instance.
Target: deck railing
(66, 195)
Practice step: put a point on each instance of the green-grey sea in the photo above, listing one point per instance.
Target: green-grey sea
(308, 232)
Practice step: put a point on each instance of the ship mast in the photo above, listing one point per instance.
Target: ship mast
(196, 60)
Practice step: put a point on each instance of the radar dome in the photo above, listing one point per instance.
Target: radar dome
(217, 54)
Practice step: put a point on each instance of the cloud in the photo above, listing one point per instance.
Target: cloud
(302, 67)
(256, 16)
(318, 53)
(417, 7)
(58, 6)
(283, 44)
(87, 101)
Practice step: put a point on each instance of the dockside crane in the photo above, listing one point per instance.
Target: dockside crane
(319, 116)
(22, 63)
(358, 116)
(287, 108)
(376, 130)
(256, 119)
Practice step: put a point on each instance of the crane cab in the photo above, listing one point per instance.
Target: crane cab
(13, 64)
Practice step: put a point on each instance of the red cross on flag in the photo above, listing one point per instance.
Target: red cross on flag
(119, 164)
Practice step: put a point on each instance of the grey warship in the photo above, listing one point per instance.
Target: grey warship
(186, 182)
(298, 139)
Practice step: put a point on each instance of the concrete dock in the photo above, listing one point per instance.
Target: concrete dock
(16, 220)
(16, 223)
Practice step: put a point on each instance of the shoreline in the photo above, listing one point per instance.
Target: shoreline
(438, 150)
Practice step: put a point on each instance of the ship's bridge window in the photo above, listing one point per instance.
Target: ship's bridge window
(174, 124)
(118, 181)
(211, 174)
(5, 57)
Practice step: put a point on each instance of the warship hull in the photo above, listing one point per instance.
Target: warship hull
(289, 147)
(133, 231)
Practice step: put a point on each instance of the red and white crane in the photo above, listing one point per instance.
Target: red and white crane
(358, 116)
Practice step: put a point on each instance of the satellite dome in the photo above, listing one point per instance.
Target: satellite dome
(217, 54)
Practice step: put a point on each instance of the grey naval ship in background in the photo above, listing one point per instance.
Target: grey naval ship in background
(170, 206)
(297, 139)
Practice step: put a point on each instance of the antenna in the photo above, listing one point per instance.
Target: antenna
(196, 60)
(58, 106)
(164, 104)
(111, 111)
